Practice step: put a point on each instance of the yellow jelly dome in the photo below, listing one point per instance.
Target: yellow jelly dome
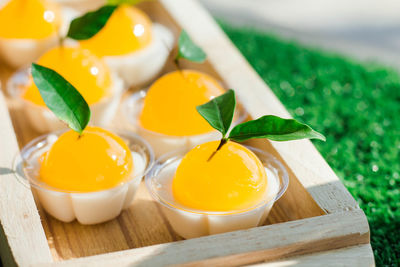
(170, 104)
(29, 19)
(127, 30)
(94, 161)
(85, 71)
(234, 179)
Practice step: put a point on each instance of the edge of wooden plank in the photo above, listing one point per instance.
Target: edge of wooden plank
(22, 238)
(356, 256)
(301, 156)
(269, 242)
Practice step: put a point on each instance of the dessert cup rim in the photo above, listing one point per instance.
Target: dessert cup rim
(133, 120)
(173, 155)
(26, 180)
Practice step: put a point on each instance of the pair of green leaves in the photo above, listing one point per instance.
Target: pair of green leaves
(219, 114)
(59, 95)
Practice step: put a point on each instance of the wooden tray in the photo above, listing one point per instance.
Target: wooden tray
(316, 213)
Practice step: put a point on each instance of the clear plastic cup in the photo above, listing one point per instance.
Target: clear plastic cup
(162, 143)
(43, 120)
(190, 223)
(87, 208)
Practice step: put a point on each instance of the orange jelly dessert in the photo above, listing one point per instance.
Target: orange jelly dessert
(234, 179)
(170, 104)
(127, 30)
(96, 160)
(85, 71)
(29, 19)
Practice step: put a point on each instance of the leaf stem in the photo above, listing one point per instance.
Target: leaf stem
(221, 143)
(61, 41)
(178, 66)
(176, 63)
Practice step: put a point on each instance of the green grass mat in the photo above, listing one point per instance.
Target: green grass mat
(357, 107)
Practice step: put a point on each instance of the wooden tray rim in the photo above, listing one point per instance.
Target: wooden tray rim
(23, 241)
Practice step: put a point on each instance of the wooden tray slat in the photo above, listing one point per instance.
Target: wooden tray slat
(21, 230)
(244, 247)
(356, 256)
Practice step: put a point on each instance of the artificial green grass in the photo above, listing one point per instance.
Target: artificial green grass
(357, 106)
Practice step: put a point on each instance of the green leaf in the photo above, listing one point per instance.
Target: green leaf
(86, 26)
(273, 128)
(61, 98)
(219, 111)
(187, 49)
